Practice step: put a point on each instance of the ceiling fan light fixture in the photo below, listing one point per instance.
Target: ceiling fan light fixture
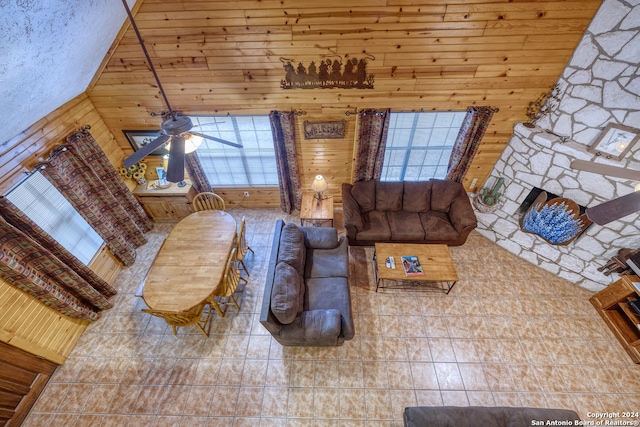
(191, 143)
(637, 187)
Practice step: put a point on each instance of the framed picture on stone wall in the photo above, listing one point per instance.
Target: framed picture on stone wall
(615, 141)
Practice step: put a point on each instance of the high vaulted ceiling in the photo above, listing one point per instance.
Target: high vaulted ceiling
(218, 57)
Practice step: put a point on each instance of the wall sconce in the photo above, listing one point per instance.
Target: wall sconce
(319, 185)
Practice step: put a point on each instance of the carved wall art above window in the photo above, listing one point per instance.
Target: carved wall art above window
(324, 130)
(327, 73)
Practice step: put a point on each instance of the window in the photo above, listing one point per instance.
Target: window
(226, 166)
(47, 207)
(419, 145)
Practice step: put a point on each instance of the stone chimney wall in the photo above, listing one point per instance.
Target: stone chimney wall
(600, 85)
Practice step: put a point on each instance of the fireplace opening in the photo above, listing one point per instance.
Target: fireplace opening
(533, 194)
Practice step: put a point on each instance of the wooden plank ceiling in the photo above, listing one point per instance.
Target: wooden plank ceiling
(218, 57)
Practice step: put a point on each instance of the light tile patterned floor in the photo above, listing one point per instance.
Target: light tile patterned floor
(509, 334)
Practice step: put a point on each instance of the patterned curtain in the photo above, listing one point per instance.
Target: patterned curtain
(15, 217)
(283, 128)
(94, 156)
(199, 180)
(28, 266)
(372, 140)
(471, 132)
(74, 177)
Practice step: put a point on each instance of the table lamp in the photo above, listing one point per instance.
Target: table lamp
(319, 185)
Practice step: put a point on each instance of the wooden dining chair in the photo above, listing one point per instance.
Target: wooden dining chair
(228, 284)
(208, 201)
(242, 247)
(196, 316)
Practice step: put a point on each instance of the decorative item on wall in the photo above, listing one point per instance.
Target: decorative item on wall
(558, 221)
(615, 141)
(140, 138)
(544, 104)
(324, 130)
(328, 74)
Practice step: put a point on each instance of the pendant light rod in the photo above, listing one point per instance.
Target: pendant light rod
(146, 53)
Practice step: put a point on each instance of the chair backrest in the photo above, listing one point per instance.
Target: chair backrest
(242, 246)
(180, 318)
(208, 201)
(231, 278)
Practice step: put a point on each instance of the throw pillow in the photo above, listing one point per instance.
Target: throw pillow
(286, 303)
(292, 249)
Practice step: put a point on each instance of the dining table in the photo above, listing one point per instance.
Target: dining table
(191, 261)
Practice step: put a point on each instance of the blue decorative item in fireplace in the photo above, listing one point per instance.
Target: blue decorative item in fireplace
(557, 221)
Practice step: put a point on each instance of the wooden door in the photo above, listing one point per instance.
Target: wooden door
(22, 378)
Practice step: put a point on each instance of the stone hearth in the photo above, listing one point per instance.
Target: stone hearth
(536, 158)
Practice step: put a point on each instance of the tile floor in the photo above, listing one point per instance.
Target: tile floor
(509, 334)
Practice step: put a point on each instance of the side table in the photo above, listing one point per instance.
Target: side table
(314, 213)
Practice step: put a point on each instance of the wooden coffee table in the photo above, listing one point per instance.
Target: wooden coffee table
(435, 260)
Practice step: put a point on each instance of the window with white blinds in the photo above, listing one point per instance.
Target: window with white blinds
(47, 207)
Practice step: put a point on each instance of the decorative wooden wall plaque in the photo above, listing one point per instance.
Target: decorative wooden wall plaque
(324, 130)
(327, 74)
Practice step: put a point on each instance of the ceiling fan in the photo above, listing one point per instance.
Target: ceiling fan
(175, 128)
(616, 208)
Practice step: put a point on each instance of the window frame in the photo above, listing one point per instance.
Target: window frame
(410, 146)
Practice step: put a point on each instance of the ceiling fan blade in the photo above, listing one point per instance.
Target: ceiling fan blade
(145, 150)
(614, 209)
(602, 169)
(213, 138)
(175, 169)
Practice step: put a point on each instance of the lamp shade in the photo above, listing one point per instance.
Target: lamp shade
(319, 184)
(191, 143)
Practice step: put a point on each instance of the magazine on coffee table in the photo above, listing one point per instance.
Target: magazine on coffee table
(411, 266)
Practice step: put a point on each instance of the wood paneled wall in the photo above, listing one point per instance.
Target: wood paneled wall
(25, 322)
(218, 57)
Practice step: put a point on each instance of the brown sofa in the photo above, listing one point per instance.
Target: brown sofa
(500, 416)
(434, 211)
(307, 300)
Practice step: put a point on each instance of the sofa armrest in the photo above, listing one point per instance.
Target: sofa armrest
(461, 214)
(313, 327)
(351, 208)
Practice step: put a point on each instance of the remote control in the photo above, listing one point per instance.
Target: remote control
(393, 263)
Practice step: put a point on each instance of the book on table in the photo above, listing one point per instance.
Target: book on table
(411, 266)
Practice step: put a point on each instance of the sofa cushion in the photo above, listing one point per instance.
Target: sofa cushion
(292, 249)
(436, 226)
(405, 226)
(416, 196)
(377, 227)
(365, 194)
(287, 297)
(331, 292)
(389, 196)
(320, 237)
(443, 193)
(328, 262)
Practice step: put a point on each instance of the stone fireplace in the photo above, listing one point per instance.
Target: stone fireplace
(537, 158)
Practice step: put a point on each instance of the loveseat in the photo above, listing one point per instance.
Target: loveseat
(434, 211)
(486, 416)
(307, 301)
